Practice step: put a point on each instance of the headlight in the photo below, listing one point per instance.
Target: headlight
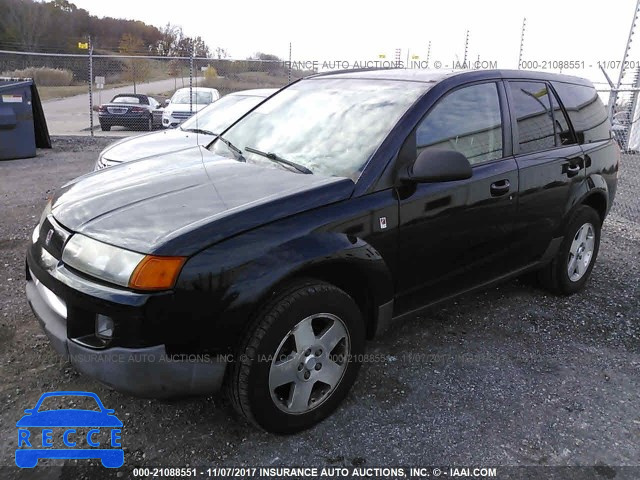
(119, 266)
(101, 260)
(45, 213)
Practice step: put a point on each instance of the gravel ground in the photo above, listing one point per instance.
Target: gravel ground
(508, 376)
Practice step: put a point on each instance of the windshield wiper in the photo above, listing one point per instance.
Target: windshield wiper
(276, 158)
(231, 146)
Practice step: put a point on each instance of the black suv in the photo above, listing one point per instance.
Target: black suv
(347, 199)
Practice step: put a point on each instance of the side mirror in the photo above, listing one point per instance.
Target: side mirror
(435, 165)
(167, 101)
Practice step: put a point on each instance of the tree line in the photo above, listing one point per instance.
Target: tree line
(58, 26)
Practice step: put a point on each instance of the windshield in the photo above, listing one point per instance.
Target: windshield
(219, 115)
(182, 96)
(330, 126)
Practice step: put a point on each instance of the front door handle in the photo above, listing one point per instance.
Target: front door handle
(573, 170)
(500, 187)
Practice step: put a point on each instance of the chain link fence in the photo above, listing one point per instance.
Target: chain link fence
(72, 103)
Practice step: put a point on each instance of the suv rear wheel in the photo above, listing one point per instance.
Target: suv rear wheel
(299, 359)
(571, 268)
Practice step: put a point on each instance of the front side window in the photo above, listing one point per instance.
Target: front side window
(534, 116)
(467, 120)
(330, 126)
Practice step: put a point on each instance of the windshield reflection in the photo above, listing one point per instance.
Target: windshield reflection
(330, 126)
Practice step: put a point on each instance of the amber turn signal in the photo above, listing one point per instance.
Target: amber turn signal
(156, 273)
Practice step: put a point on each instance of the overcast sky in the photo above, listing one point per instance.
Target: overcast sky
(361, 30)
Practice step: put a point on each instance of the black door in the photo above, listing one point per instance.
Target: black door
(455, 235)
(551, 167)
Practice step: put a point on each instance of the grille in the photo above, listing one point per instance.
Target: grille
(182, 115)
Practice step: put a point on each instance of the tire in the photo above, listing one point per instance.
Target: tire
(277, 380)
(105, 127)
(578, 253)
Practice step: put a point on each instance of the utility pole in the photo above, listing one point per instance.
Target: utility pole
(191, 79)
(290, 64)
(625, 58)
(466, 49)
(524, 25)
(91, 85)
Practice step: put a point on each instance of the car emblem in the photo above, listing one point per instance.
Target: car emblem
(48, 238)
(383, 222)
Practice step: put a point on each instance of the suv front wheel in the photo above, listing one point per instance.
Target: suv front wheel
(571, 268)
(299, 359)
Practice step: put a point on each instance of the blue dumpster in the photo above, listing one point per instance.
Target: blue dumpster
(22, 123)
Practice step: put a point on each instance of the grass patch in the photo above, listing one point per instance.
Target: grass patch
(49, 93)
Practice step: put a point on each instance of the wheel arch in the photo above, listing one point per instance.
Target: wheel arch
(597, 199)
(370, 287)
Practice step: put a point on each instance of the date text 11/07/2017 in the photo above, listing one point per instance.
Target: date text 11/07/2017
(321, 472)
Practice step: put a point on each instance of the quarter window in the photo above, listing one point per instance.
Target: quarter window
(586, 111)
(534, 116)
(467, 120)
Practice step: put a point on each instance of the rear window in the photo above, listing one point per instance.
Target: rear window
(586, 111)
(130, 100)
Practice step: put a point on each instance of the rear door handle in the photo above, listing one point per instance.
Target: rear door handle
(500, 187)
(573, 170)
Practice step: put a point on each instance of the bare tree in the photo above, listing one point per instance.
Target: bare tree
(135, 69)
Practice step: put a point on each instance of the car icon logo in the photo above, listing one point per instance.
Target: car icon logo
(69, 433)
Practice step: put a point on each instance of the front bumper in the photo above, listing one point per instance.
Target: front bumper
(145, 370)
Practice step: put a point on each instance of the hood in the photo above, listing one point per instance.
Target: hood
(180, 203)
(153, 143)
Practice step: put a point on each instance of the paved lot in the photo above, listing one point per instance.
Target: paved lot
(508, 376)
(70, 116)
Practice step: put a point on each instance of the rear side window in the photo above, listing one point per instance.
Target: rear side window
(467, 120)
(564, 135)
(586, 111)
(534, 116)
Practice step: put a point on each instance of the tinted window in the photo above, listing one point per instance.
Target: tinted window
(564, 136)
(534, 116)
(586, 111)
(467, 120)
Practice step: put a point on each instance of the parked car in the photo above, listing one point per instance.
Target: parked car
(197, 130)
(130, 110)
(183, 104)
(342, 202)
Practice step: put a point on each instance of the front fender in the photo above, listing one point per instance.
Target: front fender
(225, 284)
